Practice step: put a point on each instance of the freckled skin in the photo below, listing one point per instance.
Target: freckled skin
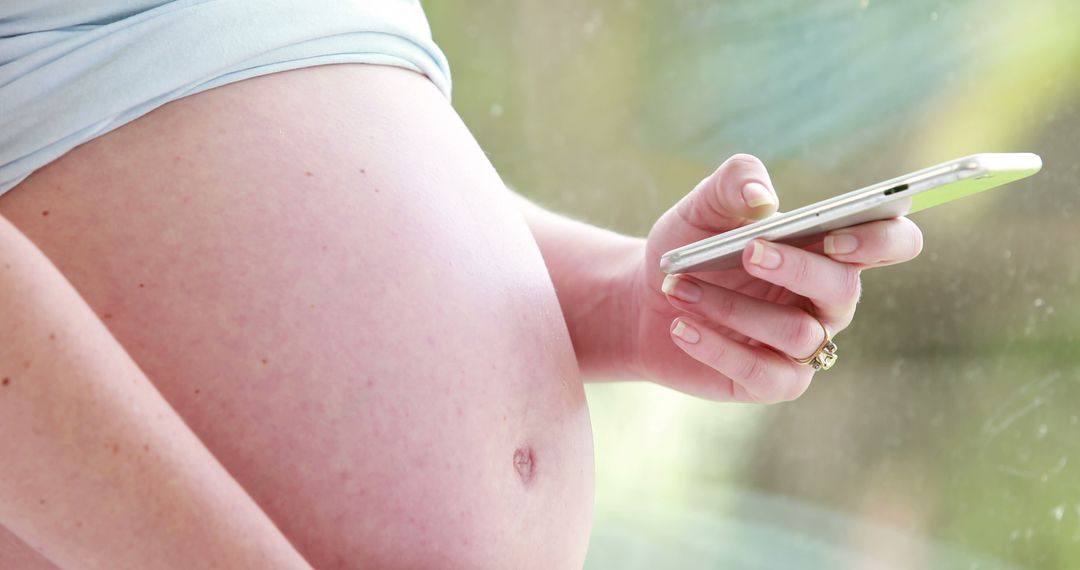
(208, 199)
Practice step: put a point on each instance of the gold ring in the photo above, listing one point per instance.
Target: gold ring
(825, 356)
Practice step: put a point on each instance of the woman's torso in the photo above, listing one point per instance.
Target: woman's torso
(322, 273)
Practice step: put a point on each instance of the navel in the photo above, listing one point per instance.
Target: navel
(525, 464)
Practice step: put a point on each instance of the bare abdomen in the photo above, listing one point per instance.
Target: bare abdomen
(321, 272)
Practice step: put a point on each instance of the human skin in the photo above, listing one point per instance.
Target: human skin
(743, 326)
(323, 275)
(86, 437)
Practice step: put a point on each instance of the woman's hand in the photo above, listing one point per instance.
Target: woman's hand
(733, 334)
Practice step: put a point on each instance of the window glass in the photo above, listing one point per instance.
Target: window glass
(948, 435)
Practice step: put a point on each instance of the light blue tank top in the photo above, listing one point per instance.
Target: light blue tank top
(71, 70)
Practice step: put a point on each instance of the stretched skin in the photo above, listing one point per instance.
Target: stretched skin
(323, 274)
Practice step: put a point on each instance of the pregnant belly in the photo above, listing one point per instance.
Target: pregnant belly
(322, 273)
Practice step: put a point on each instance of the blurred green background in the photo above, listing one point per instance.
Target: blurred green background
(949, 434)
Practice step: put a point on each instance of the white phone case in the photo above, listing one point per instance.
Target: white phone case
(896, 197)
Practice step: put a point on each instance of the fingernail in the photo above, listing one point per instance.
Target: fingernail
(686, 332)
(840, 243)
(681, 289)
(756, 194)
(765, 256)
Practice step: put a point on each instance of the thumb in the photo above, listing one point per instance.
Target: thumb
(737, 193)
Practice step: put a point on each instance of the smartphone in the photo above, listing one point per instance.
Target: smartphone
(890, 199)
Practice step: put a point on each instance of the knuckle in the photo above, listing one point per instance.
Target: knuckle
(802, 332)
(801, 269)
(723, 308)
(714, 354)
(687, 209)
(703, 206)
(755, 370)
(850, 283)
(712, 200)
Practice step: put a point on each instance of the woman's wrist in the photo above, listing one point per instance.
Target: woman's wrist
(606, 334)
